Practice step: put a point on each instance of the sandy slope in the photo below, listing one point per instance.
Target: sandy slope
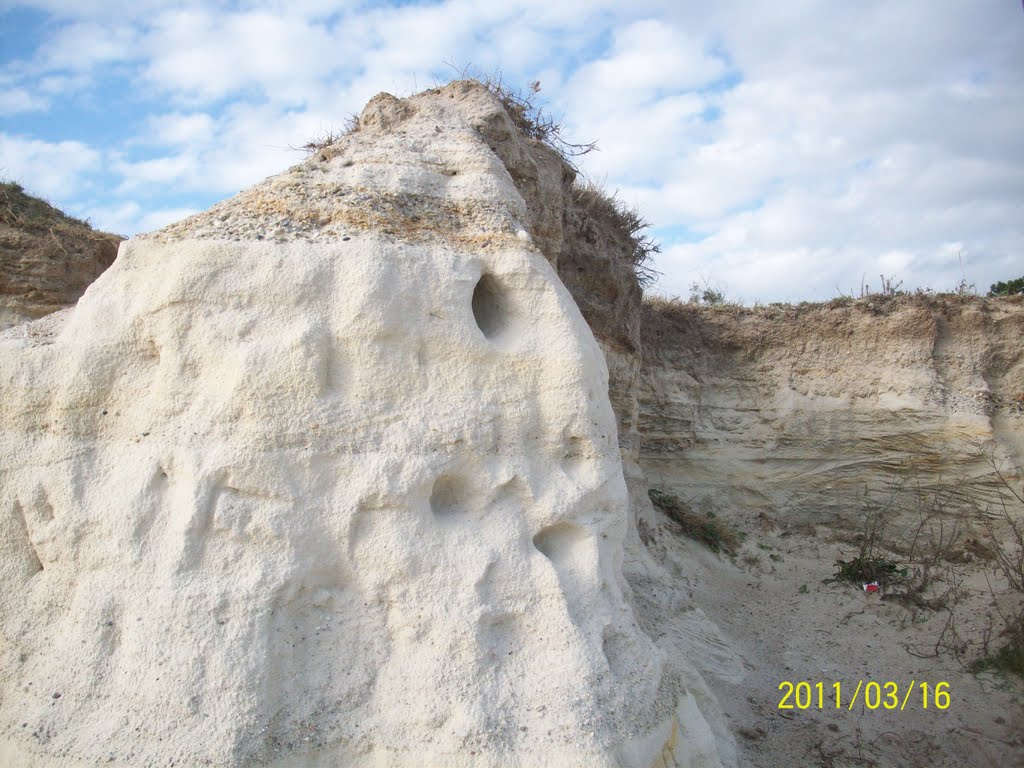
(836, 633)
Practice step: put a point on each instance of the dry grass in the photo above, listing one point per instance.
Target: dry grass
(22, 210)
(1006, 529)
(716, 535)
(330, 137)
(622, 218)
(532, 122)
(754, 327)
(528, 116)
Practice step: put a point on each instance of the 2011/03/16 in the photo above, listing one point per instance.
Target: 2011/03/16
(806, 695)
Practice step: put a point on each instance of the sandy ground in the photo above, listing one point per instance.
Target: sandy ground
(772, 608)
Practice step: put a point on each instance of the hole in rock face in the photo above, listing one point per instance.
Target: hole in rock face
(448, 499)
(560, 543)
(490, 306)
(617, 650)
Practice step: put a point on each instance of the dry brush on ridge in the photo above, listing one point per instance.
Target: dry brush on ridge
(47, 259)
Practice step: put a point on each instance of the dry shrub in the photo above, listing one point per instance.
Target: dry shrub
(707, 529)
(917, 542)
(1006, 529)
(330, 137)
(911, 539)
(528, 116)
(622, 218)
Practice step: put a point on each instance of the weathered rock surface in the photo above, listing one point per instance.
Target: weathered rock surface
(795, 412)
(47, 259)
(329, 475)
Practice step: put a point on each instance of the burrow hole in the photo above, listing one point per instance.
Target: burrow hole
(561, 543)
(448, 498)
(490, 306)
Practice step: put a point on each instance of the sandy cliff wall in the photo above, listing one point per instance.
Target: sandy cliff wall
(795, 411)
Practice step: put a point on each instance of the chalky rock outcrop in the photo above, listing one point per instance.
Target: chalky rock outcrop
(328, 475)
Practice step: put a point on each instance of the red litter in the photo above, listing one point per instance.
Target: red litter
(871, 587)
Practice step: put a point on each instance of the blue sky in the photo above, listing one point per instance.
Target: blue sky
(784, 153)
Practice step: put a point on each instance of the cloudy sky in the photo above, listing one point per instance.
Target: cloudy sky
(783, 151)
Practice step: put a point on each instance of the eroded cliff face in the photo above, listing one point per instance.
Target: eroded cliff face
(577, 231)
(328, 474)
(794, 412)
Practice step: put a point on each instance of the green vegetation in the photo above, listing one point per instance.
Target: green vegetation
(1009, 658)
(705, 295)
(713, 533)
(861, 570)
(1008, 288)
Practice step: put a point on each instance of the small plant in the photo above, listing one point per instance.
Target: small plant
(861, 570)
(705, 296)
(925, 529)
(331, 137)
(965, 290)
(888, 288)
(706, 529)
(871, 563)
(702, 293)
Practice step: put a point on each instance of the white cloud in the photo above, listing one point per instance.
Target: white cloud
(50, 169)
(119, 218)
(848, 139)
(161, 218)
(204, 56)
(178, 128)
(246, 144)
(17, 100)
(871, 146)
(649, 57)
(54, 85)
(81, 46)
(160, 170)
(129, 217)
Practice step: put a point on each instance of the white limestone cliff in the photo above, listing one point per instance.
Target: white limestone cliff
(328, 475)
